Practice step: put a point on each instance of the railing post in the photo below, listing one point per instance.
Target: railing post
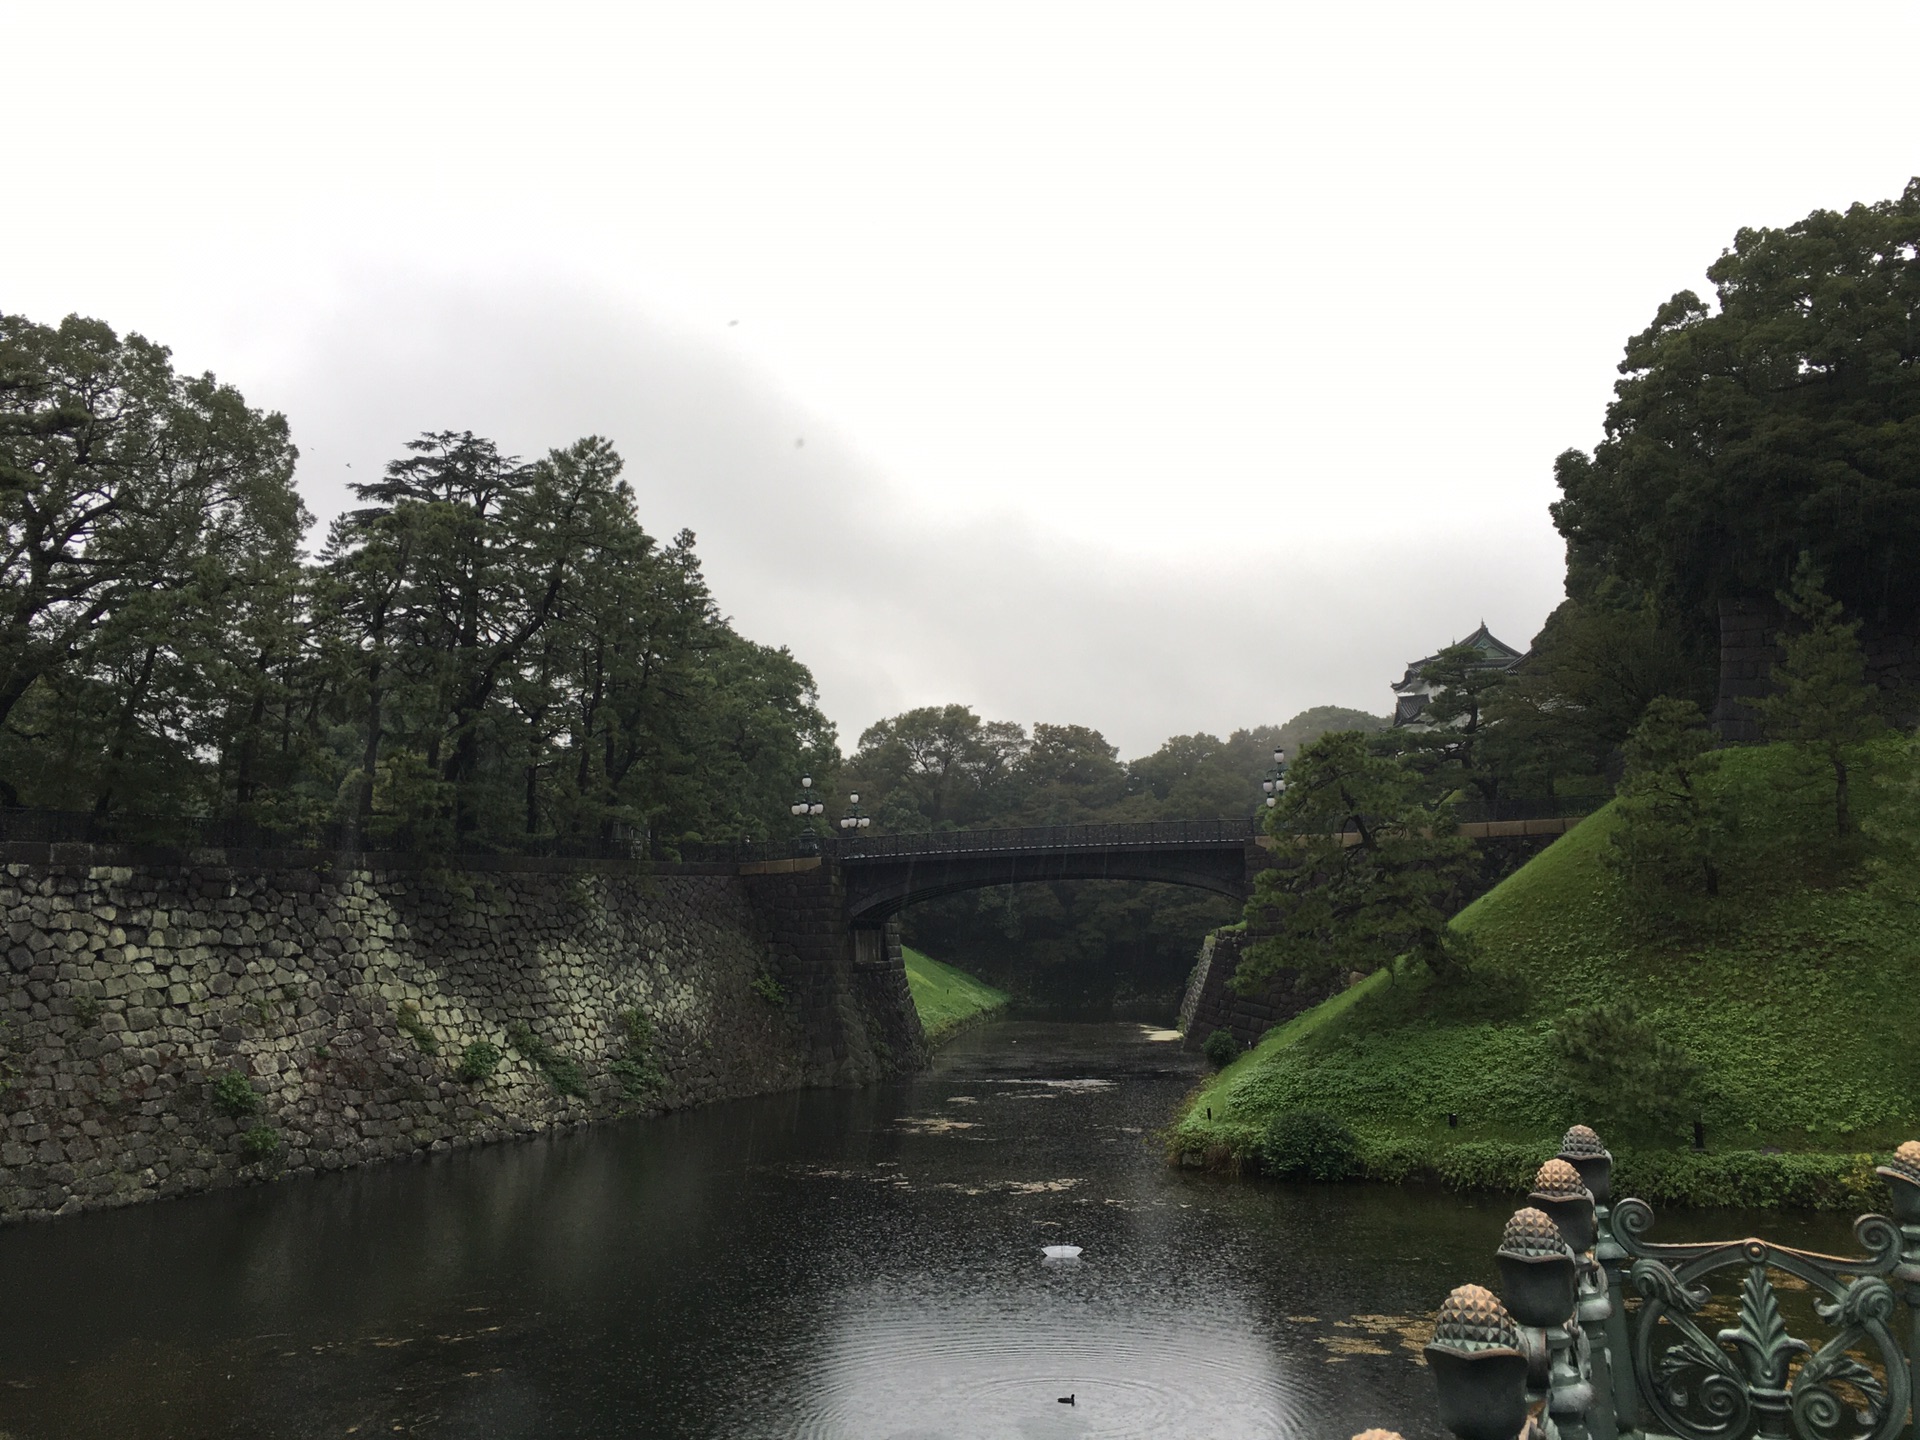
(1581, 1148)
(1559, 1193)
(1539, 1283)
(1902, 1175)
(1478, 1367)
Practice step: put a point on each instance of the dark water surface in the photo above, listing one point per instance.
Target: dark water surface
(845, 1264)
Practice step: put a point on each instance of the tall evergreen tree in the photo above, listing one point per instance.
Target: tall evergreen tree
(1821, 700)
(138, 506)
(1783, 418)
(1367, 872)
(1673, 827)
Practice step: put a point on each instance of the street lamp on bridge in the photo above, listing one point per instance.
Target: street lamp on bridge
(853, 819)
(809, 804)
(1275, 785)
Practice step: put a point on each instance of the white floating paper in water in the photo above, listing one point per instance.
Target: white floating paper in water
(1061, 1252)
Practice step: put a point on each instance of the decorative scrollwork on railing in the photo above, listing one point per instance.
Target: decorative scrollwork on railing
(1631, 1219)
(1881, 1239)
(1587, 1365)
(1756, 1374)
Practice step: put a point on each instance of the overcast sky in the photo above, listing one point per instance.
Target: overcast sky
(1160, 368)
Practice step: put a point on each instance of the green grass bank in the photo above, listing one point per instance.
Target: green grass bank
(1796, 993)
(948, 999)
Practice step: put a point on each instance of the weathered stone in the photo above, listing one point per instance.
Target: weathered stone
(202, 970)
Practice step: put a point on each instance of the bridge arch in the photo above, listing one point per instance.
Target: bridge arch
(884, 874)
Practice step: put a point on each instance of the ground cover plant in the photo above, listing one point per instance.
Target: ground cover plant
(947, 998)
(1779, 1017)
(562, 1071)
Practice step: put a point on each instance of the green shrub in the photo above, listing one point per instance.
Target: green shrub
(768, 989)
(260, 1144)
(86, 1009)
(478, 1062)
(563, 1074)
(1309, 1145)
(233, 1093)
(638, 1078)
(1680, 1178)
(1392, 1158)
(1623, 1073)
(521, 1037)
(1752, 1178)
(408, 1019)
(637, 1028)
(637, 1071)
(1502, 1165)
(1221, 1049)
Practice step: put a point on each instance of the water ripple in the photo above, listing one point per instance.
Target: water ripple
(893, 1363)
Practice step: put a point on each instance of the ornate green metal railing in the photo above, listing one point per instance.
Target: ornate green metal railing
(1562, 1353)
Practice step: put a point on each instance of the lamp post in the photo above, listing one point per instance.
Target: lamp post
(853, 819)
(809, 805)
(1275, 785)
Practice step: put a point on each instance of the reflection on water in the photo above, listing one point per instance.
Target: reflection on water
(834, 1264)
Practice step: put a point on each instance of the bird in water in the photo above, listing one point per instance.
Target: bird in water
(1068, 1399)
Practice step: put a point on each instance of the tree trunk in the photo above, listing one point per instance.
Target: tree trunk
(369, 759)
(1842, 811)
(256, 715)
(123, 731)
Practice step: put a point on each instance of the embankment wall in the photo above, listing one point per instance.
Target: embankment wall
(345, 995)
(1212, 1004)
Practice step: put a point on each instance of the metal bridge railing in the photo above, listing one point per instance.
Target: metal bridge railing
(1599, 1334)
(60, 827)
(1143, 834)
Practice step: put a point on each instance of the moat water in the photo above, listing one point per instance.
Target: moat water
(861, 1265)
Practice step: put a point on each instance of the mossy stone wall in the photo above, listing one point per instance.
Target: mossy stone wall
(346, 997)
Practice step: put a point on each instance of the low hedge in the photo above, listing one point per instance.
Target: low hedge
(1760, 1179)
(1688, 1178)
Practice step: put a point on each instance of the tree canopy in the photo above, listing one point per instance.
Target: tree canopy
(487, 653)
(1366, 870)
(1784, 418)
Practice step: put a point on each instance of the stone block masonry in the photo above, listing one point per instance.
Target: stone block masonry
(1750, 631)
(131, 986)
(1212, 1004)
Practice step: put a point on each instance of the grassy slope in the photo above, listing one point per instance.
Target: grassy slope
(945, 997)
(1800, 1007)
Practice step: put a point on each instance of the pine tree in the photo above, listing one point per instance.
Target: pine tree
(1367, 872)
(1821, 701)
(1673, 826)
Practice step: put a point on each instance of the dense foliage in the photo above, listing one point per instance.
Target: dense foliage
(1821, 701)
(487, 653)
(1673, 828)
(1779, 420)
(1369, 870)
(1221, 1049)
(1772, 1025)
(1308, 1145)
(1783, 419)
(1082, 943)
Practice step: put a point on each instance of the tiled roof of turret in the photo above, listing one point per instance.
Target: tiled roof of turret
(1497, 651)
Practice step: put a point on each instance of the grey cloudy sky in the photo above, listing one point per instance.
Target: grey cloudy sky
(1158, 368)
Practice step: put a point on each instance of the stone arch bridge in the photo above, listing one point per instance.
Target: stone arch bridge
(835, 912)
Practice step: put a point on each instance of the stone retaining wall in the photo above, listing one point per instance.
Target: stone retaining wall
(345, 998)
(1211, 1004)
(1750, 647)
